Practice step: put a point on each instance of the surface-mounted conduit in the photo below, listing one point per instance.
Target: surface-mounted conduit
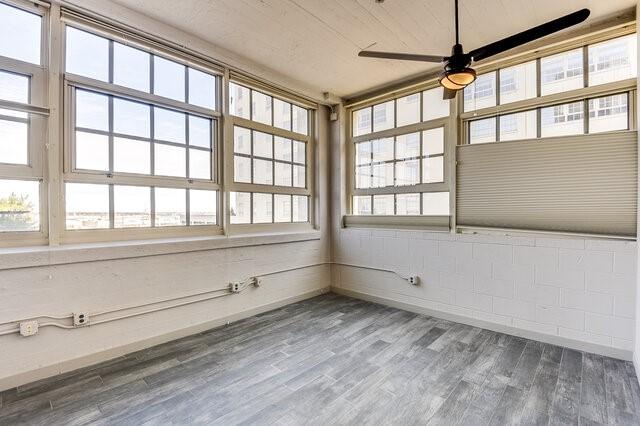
(175, 305)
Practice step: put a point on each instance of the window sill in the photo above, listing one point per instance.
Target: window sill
(433, 223)
(25, 257)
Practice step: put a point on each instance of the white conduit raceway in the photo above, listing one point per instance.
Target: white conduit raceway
(215, 293)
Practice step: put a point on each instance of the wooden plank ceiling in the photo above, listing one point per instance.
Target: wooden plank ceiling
(316, 41)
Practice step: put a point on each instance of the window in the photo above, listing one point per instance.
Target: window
(270, 168)
(143, 146)
(613, 60)
(393, 175)
(481, 93)
(22, 124)
(561, 72)
(518, 82)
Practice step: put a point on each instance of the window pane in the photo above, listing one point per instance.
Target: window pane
(199, 131)
(613, 60)
(433, 169)
(408, 146)
(15, 88)
(362, 122)
(433, 141)
(608, 113)
(20, 34)
(433, 106)
(131, 156)
(562, 120)
(282, 174)
(363, 177)
(300, 118)
(299, 176)
(171, 206)
(382, 175)
(14, 142)
(241, 140)
(382, 149)
(87, 206)
(239, 101)
(300, 208)
(383, 116)
(131, 67)
(481, 93)
(131, 118)
(202, 89)
(82, 45)
(282, 148)
(132, 206)
(383, 204)
(240, 207)
(518, 82)
(262, 208)
(92, 110)
(281, 114)
(261, 107)
(262, 145)
(199, 164)
(203, 207)
(362, 204)
(262, 171)
(168, 79)
(92, 151)
(169, 160)
(363, 152)
(408, 109)
(241, 169)
(561, 72)
(407, 172)
(169, 125)
(299, 152)
(408, 204)
(482, 131)
(19, 205)
(435, 203)
(521, 125)
(282, 208)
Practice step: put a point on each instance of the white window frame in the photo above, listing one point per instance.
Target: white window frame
(37, 129)
(71, 175)
(231, 122)
(434, 222)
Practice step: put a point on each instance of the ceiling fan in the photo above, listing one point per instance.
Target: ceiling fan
(457, 72)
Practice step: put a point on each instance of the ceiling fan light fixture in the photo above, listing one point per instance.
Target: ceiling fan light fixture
(459, 79)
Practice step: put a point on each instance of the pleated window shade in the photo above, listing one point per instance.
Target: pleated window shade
(578, 184)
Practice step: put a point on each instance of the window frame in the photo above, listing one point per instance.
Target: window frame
(582, 95)
(73, 82)
(448, 123)
(231, 122)
(37, 120)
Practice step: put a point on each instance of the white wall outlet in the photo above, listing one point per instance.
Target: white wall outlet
(28, 328)
(235, 287)
(80, 319)
(257, 282)
(414, 280)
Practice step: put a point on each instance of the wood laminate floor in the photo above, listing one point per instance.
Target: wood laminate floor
(336, 360)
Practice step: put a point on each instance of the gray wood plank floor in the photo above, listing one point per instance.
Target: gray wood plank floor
(336, 360)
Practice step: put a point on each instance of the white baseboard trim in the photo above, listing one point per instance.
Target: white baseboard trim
(514, 331)
(98, 357)
(636, 363)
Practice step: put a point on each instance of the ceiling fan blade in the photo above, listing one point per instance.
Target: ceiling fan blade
(448, 93)
(529, 35)
(401, 56)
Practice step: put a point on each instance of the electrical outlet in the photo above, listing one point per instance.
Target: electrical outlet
(257, 282)
(80, 319)
(28, 328)
(414, 280)
(235, 287)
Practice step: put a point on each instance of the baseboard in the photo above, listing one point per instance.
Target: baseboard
(636, 363)
(95, 358)
(514, 331)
